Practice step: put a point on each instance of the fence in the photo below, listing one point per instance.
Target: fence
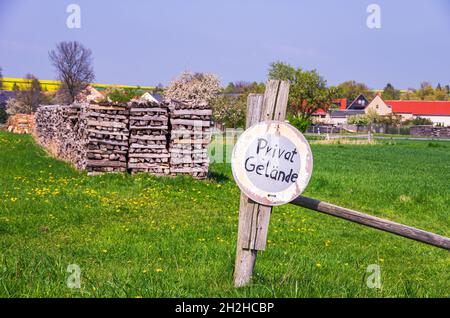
(375, 128)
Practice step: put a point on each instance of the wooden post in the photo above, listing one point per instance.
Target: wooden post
(253, 217)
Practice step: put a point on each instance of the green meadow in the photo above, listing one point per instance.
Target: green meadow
(145, 236)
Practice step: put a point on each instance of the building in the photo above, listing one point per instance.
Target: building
(436, 111)
(342, 109)
(359, 103)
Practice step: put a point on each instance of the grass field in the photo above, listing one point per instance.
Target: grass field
(143, 236)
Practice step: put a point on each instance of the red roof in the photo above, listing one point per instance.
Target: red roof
(320, 111)
(342, 105)
(419, 107)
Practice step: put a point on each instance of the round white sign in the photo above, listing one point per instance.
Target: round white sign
(272, 162)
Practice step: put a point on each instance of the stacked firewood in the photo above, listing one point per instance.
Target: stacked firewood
(50, 120)
(429, 130)
(169, 138)
(108, 134)
(148, 138)
(20, 124)
(60, 129)
(189, 139)
(79, 135)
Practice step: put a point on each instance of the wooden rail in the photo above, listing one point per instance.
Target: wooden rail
(373, 221)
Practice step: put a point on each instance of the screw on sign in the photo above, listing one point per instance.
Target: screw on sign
(272, 163)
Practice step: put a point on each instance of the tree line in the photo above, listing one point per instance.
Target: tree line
(309, 91)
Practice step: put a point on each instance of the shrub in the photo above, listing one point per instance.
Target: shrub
(124, 95)
(299, 122)
(359, 120)
(418, 121)
(16, 106)
(230, 110)
(3, 116)
(391, 119)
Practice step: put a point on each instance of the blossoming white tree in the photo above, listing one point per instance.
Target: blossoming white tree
(197, 87)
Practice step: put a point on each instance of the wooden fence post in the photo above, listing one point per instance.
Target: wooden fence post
(253, 217)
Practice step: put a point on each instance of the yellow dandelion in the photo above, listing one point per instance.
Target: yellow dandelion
(159, 270)
(318, 265)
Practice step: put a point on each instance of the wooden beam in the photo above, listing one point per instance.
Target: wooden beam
(245, 258)
(108, 133)
(113, 124)
(105, 163)
(191, 122)
(198, 112)
(147, 137)
(149, 127)
(152, 109)
(104, 107)
(148, 155)
(148, 117)
(253, 217)
(373, 221)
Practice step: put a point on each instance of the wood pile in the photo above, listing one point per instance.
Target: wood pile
(430, 131)
(169, 138)
(20, 124)
(148, 138)
(108, 134)
(190, 135)
(61, 129)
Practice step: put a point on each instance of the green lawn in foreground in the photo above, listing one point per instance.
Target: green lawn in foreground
(145, 236)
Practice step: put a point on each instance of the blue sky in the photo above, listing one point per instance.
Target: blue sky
(149, 42)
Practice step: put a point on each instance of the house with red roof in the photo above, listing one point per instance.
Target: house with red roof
(342, 109)
(436, 111)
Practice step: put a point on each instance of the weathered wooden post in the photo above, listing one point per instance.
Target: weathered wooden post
(253, 217)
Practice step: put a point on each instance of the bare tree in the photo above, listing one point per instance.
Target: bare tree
(27, 99)
(32, 95)
(73, 64)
